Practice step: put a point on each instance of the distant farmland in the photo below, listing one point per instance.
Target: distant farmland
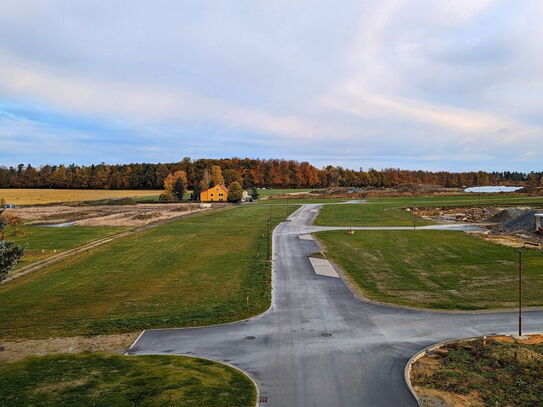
(45, 196)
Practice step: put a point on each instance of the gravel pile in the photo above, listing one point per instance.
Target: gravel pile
(522, 223)
(506, 215)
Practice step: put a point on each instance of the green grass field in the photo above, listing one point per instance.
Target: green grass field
(435, 269)
(98, 380)
(491, 374)
(43, 241)
(390, 212)
(194, 271)
(276, 191)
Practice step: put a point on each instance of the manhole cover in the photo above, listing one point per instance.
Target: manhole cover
(326, 334)
(250, 337)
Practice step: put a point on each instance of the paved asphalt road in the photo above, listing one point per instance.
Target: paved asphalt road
(289, 350)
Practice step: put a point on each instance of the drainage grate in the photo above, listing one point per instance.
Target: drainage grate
(326, 334)
(250, 337)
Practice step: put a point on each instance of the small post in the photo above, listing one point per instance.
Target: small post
(269, 234)
(414, 219)
(520, 293)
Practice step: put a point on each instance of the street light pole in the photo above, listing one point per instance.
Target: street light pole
(519, 292)
(269, 234)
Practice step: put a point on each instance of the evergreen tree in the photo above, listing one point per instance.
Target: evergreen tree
(178, 189)
(255, 194)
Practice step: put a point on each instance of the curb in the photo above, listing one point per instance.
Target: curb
(272, 271)
(420, 354)
(257, 389)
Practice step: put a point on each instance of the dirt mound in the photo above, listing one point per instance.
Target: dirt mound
(506, 215)
(522, 223)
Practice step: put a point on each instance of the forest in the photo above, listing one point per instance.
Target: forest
(270, 173)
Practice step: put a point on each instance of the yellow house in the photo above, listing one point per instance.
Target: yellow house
(218, 193)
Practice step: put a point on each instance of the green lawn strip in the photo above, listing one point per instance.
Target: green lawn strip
(391, 212)
(277, 191)
(206, 269)
(366, 215)
(300, 201)
(100, 380)
(435, 269)
(499, 374)
(44, 241)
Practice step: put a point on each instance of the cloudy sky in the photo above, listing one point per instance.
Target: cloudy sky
(430, 84)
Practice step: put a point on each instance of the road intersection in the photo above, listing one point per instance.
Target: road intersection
(320, 346)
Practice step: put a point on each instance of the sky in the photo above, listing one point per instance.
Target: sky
(416, 84)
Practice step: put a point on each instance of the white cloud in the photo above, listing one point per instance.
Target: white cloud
(309, 78)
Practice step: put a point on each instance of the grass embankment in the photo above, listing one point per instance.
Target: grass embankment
(101, 380)
(477, 374)
(390, 212)
(47, 196)
(43, 241)
(195, 271)
(434, 269)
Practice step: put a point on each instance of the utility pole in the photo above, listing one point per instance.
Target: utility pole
(269, 234)
(519, 292)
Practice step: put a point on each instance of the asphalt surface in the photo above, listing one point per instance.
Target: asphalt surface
(318, 345)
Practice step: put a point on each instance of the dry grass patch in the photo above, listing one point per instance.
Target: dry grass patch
(496, 371)
(47, 196)
(104, 215)
(14, 351)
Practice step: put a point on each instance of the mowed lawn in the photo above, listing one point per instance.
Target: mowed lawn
(391, 212)
(101, 380)
(44, 241)
(278, 191)
(205, 269)
(435, 269)
(47, 196)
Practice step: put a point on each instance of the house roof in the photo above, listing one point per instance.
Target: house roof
(218, 185)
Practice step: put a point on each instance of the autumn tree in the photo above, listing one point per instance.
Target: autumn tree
(12, 225)
(205, 182)
(231, 175)
(216, 176)
(9, 253)
(170, 179)
(235, 192)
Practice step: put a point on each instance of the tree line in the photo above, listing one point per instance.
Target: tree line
(249, 173)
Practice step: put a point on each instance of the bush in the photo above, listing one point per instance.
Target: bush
(166, 197)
